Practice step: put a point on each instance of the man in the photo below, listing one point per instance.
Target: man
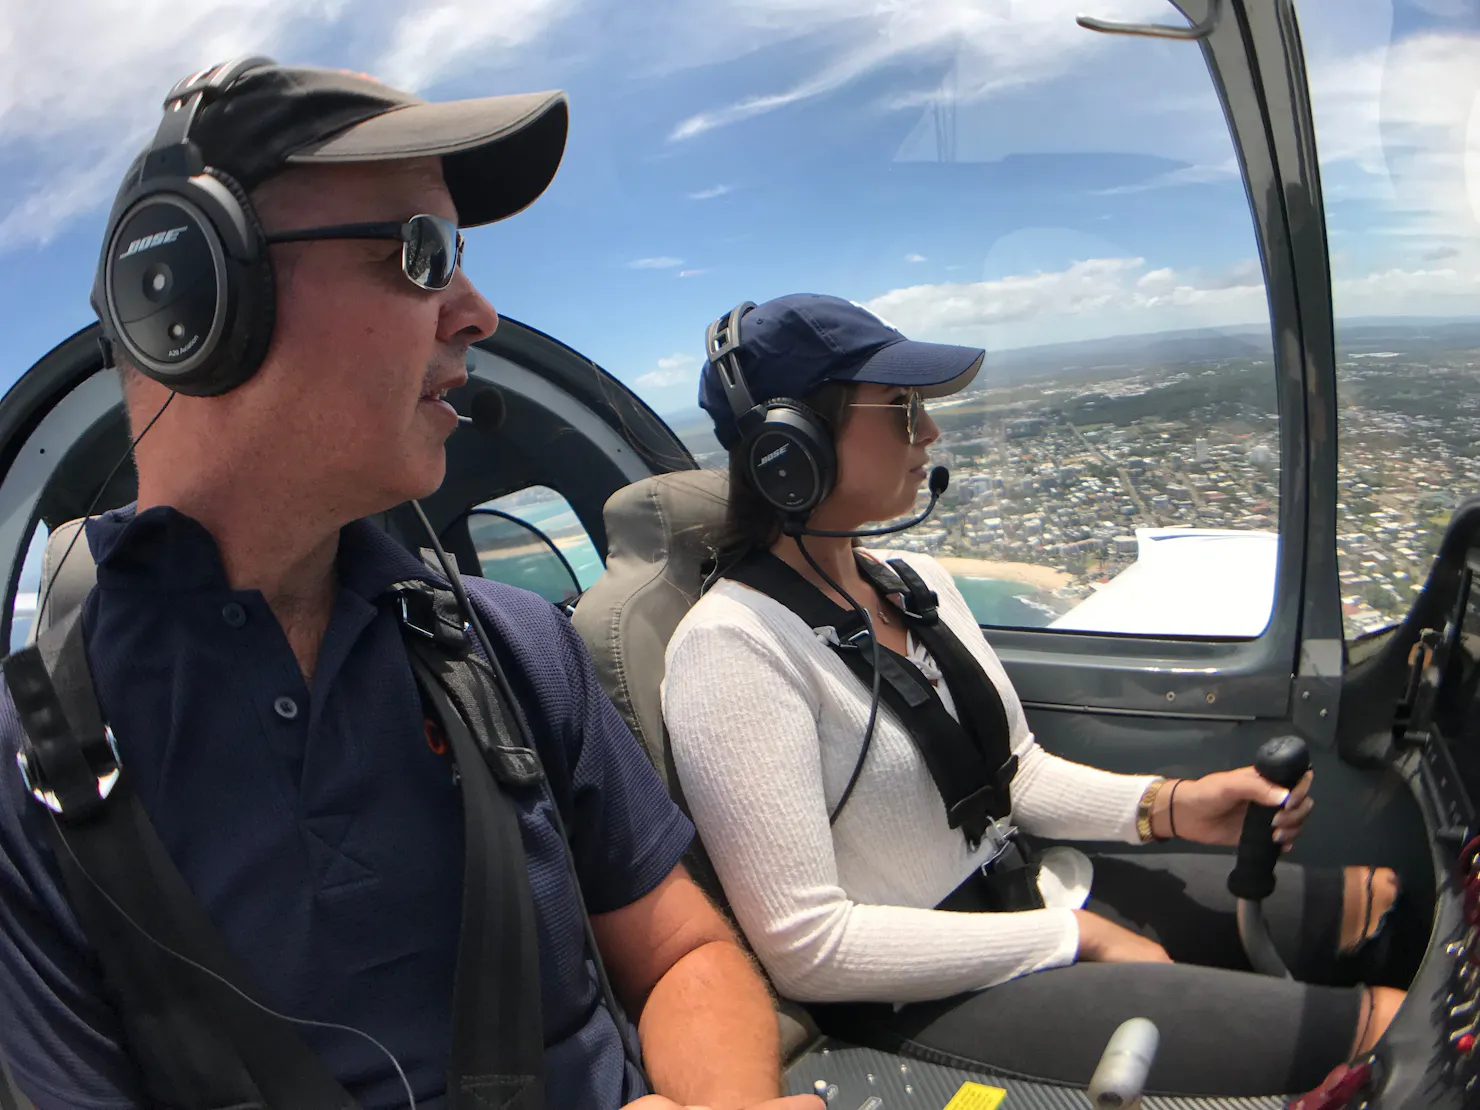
(244, 650)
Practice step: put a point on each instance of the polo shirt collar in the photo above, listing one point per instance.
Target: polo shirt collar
(162, 549)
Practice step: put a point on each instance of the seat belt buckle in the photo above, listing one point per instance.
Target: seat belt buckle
(1000, 836)
(105, 766)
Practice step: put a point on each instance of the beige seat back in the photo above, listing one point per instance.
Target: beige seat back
(661, 533)
(77, 578)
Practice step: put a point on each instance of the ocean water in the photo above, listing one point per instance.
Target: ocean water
(1007, 604)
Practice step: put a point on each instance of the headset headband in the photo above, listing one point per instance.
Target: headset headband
(721, 342)
(172, 153)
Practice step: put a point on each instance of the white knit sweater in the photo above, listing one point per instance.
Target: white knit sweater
(765, 723)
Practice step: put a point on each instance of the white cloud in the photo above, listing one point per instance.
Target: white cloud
(1396, 125)
(710, 194)
(913, 257)
(1121, 296)
(82, 82)
(1226, 170)
(1100, 296)
(662, 263)
(74, 138)
(996, 46)
(673, 370)
(431, 44)
(691, 273)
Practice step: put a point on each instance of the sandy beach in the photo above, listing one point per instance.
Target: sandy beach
(1043, 578)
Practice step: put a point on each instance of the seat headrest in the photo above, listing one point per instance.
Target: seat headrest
(79, 577)
(660, 533)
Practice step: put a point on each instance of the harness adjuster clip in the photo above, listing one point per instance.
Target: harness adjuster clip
(971, 810)
(1002, 835)
(105, 773)
(418, 613)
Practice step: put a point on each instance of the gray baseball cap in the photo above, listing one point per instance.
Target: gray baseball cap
(499, 153)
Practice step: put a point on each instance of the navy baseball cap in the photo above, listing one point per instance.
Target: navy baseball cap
(792, 345)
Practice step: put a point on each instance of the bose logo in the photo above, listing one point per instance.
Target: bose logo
(774, 455)
(158, 239)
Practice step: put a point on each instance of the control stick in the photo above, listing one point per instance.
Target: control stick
(1283, 761)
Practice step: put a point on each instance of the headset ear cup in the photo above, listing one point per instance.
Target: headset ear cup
(254, 313)
(791, 457)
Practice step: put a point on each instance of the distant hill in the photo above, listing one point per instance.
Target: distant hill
(1090, 358)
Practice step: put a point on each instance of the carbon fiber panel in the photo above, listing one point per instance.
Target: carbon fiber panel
(861, 1074)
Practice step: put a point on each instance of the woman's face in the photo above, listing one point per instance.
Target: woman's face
(879, 470)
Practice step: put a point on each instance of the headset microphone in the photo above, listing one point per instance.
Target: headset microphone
(940, 478)
(487, 410)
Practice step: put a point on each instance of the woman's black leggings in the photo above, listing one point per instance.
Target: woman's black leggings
(1225, 1031)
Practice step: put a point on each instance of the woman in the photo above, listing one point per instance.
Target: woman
(858, 908)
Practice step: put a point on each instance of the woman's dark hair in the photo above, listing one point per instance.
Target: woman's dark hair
(751, 522)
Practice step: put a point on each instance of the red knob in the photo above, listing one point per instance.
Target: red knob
(1465, 1045)
(1468, 858)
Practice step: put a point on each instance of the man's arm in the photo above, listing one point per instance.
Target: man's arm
(708, 1027)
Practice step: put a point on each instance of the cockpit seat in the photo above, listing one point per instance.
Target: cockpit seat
(660, 533)
(62, 589)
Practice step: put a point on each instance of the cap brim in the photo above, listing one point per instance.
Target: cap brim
(499, 153)
(935, 369)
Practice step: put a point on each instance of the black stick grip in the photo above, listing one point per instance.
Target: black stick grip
(1283, 761)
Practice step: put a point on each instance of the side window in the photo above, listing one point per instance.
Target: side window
(1401, 199)
(1115, 466)
(27, 589)
(534, 540)
(995, 175)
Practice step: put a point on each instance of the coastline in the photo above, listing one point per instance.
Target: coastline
(1030, 574)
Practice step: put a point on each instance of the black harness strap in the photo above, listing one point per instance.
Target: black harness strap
(199, 1044)
(977, 701)
(1010, 880)
(970, 760)
(497, 1027)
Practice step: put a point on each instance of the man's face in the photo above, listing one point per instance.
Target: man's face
(347, 393)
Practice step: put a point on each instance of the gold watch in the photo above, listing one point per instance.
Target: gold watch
(1143, 811)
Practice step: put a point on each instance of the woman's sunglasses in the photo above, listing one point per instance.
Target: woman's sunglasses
(431, 246)
(910, 404)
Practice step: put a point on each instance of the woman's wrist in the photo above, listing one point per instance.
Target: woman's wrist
(1164, 812)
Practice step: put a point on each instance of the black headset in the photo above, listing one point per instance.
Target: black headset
(787, 447)
(184, 284)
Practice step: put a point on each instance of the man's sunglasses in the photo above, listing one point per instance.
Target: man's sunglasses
(911, 405)
(431, 246)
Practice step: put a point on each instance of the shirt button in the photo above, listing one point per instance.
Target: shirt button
(286, 708)
(233, 614)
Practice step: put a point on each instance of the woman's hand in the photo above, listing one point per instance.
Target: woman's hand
(1103, 941)
(1210, 810)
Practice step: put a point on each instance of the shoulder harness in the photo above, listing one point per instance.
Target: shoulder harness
(182, 996)
(970, 759)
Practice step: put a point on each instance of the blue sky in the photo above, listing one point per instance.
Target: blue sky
(978, 171)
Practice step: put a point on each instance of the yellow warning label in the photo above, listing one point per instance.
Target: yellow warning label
(976, 1096)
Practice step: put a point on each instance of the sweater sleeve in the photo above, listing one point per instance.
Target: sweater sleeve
(742, 729)
(1058, 798)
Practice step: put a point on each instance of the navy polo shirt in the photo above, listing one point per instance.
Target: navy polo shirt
(321, 827)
